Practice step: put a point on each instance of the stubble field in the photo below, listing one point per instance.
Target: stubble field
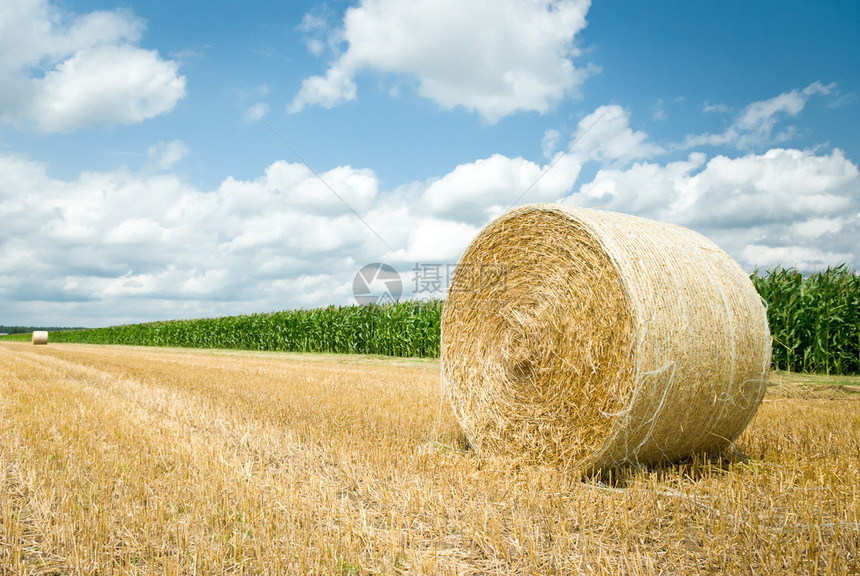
(122, 460)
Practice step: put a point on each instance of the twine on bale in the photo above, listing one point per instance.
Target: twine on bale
(591, 339)
(40, 337)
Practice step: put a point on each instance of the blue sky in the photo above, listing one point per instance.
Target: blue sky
(138, 180)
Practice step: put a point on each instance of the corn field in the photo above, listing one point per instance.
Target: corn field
(814, 321)
(403, 329)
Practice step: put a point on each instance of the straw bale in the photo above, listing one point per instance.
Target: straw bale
(40, 337)
(589, 339)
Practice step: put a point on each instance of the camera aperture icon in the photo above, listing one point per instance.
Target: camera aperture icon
(377, 283)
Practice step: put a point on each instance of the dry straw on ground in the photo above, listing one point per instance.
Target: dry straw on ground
(590, 338)
(40, 337)
(124, 460)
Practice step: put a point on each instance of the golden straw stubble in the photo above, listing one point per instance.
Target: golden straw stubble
(590, 338)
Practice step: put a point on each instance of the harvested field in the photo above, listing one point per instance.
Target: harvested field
(122, 460)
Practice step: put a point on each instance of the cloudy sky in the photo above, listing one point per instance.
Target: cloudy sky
(172, 161)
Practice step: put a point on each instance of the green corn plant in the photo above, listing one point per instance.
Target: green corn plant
(814, 320)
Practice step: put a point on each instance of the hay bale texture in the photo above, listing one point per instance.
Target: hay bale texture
(591, 339)
(40, 337)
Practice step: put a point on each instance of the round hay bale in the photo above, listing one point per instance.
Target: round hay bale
(591, 339)
(40, 337)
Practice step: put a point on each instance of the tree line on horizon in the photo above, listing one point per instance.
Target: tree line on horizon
(30, 329)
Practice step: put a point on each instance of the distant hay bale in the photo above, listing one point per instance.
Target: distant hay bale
(591, 339)
(40, 337)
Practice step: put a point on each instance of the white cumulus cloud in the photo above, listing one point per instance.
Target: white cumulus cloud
(494, 57)
(605, 135)
(166, 154)
(760, 207)
(61, 72)
(478, 190)
(115, 246)
(256, 112)
(756, 125)
(549, 142)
